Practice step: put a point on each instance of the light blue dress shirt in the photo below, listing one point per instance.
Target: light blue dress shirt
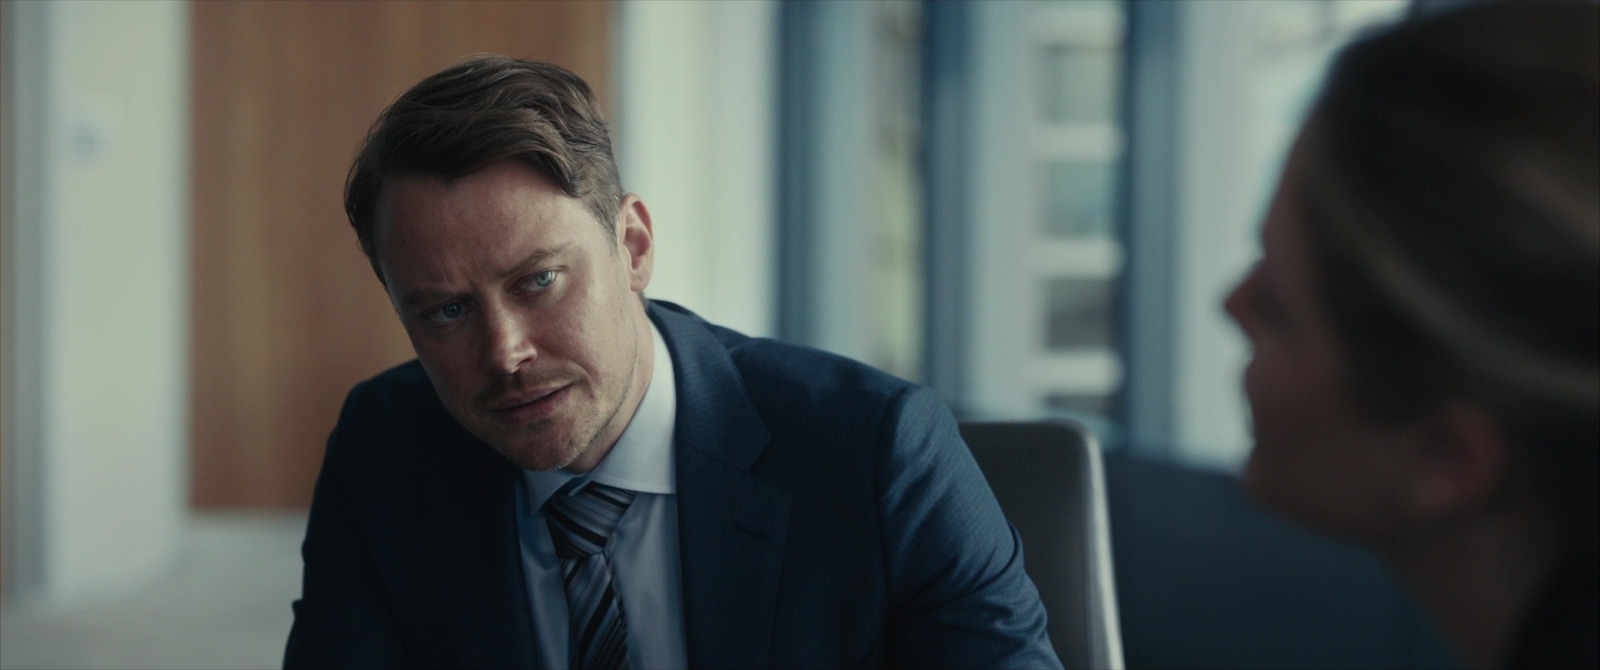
(644, 551)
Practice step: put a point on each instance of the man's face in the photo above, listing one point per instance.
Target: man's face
(525, 316)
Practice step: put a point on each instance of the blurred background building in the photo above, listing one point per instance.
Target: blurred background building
(1034, 207)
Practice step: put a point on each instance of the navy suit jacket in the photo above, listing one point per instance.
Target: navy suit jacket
(829, 516)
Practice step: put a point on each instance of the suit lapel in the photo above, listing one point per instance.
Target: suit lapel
(471, 511)
(731, 524)
(731, 536)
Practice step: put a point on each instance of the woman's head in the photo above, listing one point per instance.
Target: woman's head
(1426, 317)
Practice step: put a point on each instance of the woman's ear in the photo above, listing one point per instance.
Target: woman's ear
(1458, 461)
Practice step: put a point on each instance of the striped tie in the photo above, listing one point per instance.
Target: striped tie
(581, 524)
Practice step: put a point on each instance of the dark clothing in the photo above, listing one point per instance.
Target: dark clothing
(1562, 629)
(829, 516)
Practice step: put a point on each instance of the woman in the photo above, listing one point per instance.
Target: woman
(1426, 323)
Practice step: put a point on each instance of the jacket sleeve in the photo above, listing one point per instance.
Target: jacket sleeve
(958, 595)
(341, 619)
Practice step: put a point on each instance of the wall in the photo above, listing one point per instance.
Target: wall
(998, 346)
(7, 509)
(102, 112)
(1219, 215)
(694, 137)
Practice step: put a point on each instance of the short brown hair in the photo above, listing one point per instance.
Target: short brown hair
(484, 110)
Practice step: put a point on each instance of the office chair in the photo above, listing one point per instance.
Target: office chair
(1050, 483)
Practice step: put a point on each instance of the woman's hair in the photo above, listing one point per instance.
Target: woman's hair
(1450, 180)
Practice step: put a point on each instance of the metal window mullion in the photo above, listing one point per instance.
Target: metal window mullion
(1148, 212)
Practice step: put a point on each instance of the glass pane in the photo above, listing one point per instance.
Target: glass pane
(1078, 84)
(1078, 313)
(897, 277)
(1077, 199)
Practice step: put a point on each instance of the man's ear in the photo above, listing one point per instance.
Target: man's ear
(636, 242)
(1459, 461)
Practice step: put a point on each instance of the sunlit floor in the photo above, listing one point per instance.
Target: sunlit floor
(224, 604)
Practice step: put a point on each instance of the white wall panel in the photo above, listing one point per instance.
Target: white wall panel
(113, 281)
(694, 137)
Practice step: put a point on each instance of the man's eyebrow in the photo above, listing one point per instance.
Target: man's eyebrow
(419, 297)
(538, 256)
(423, 296)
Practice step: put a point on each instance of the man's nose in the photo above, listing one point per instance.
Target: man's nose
(509, 342)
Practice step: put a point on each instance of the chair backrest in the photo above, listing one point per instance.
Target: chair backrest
(1050, 483)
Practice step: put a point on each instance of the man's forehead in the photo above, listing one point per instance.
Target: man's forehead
(495, 252)
(502, 195)
(430, 232)
(506, 183)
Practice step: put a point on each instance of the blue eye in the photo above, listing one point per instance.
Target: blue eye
(447, 313)
(544, 279)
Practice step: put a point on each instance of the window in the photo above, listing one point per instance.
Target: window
(1072, 253)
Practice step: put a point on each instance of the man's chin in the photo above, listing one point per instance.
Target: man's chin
(540, 447)
(539, 457)
(547, 445)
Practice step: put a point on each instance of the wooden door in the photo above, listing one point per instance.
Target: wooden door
(287, 314)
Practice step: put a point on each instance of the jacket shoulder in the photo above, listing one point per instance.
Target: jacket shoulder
(399, 392)
(395, 412)
(821, 376)
(789, 382)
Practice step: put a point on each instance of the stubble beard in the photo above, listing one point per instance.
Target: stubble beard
(541, 459)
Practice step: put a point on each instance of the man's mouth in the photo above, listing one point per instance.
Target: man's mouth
(531, 405)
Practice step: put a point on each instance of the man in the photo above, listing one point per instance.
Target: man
(572, 476)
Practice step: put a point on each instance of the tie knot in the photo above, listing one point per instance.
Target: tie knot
(581, 523)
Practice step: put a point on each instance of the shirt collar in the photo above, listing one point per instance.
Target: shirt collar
(641, 460)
